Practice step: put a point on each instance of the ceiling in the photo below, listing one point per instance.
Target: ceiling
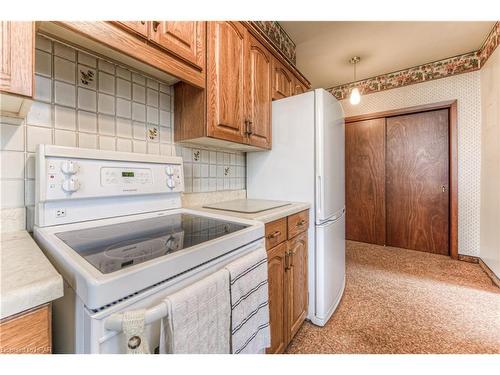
(324, 48)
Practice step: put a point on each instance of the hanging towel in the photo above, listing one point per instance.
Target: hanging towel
(133, 329)
(250, 332)
(199, 317)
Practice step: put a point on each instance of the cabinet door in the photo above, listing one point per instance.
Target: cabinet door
(282, 81)
(226, 67)
(186, 39)
(16, 57)
(138, 27)
(296, 275)
(277, 295)
(258, 128)
(29, 332)
(298, 87)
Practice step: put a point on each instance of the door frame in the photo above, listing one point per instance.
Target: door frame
(451, 105)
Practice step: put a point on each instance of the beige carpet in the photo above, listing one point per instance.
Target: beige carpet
(404, 301)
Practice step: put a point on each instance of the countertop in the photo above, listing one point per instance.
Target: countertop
(27, 278)
(263, 216)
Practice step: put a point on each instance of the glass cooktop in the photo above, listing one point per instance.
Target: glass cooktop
(113, 247)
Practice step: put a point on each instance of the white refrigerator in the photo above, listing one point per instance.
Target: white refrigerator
(306, 164)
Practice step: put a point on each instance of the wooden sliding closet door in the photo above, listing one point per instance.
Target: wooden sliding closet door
(417, 181)
(365, 181)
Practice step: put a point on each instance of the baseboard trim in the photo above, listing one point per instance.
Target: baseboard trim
(468, 258)
(489, 272)
(484, 267)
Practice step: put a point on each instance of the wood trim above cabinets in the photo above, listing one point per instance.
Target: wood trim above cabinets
(277, 53)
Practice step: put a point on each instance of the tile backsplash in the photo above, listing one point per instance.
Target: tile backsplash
(82, 100)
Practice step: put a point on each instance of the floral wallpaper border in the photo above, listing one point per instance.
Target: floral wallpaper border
(492, 41)
(278, 37)
(438, 69)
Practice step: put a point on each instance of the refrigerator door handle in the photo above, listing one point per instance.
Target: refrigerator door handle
(332, 220)
(319, 198)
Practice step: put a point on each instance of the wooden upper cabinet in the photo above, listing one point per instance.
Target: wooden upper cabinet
(16, 57)
(298, 87)
(138, 27)
(282, 81)
(258, 127)
(184, 38)
(243, 76)
(227, 64)
(297, 283)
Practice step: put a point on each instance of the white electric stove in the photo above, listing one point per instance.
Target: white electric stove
(113, 226)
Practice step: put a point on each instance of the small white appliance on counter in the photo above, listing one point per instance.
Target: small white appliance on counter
(306, 164)
(113, 226)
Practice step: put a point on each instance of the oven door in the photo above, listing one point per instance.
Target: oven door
(101, 340)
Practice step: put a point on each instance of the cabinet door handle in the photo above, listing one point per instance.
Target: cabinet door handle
(300, 223)
(287, 260)
(274, 235)
(155, 26)
(143, 22)
(248, 127)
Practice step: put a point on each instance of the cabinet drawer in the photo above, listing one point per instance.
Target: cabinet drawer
(275, 232)
(298, 223)
(28, 332)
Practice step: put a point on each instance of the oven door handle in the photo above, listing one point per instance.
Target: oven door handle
(114, 322)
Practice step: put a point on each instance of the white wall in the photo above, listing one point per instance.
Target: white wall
(490, 163)
(465, 88)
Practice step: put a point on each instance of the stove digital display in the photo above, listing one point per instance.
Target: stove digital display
(127, 174)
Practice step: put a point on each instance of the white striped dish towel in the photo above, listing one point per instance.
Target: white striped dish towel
(250, 332)
(198, 320)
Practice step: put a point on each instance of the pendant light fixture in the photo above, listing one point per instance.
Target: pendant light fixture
(355, 95)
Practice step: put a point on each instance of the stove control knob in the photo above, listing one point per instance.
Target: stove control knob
(170, 183)
(71, 185)
(69, 167)
(169, 170)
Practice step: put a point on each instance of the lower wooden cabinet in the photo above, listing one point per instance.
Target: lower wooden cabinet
(296, 275)
(287, 278)
(28, 332)
(277, 295)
